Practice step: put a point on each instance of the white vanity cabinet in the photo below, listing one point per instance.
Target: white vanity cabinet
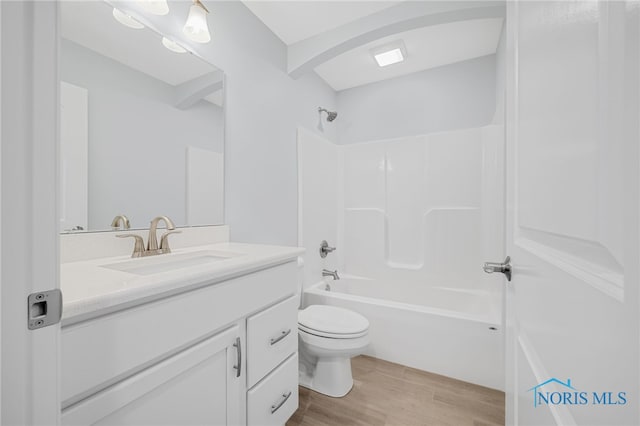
(219, 353)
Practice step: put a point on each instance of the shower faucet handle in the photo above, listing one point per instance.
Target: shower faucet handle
(325, 249)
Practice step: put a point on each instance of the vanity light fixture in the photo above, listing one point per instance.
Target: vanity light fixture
(390, 53)
(157, 7)
(172, 45)
(196, 26)
(126, 20)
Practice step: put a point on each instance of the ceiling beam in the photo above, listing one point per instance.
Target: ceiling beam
(305, 55)
(192, 91)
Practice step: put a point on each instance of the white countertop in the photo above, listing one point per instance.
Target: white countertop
(89, 289)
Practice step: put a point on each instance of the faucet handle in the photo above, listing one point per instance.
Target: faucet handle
(164, 241)
(325, 249)
(138, 248)
(152, 241)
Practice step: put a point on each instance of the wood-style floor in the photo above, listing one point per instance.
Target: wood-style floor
(391, 394)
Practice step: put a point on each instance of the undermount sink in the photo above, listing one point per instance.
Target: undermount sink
(169, 262)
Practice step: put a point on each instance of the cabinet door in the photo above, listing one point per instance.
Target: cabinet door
(197, 386)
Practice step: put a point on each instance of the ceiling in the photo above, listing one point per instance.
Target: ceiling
(92, 25)
(428, 47)
(293, 21)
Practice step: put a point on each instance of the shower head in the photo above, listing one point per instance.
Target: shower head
(331, 115)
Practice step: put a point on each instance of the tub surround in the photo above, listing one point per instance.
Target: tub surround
(419, 244)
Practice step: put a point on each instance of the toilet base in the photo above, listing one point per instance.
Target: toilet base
(331, 376)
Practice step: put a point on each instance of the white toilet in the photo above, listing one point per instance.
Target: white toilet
(328, 338)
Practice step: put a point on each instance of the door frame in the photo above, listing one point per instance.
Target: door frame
(510, 113)
(30, 391)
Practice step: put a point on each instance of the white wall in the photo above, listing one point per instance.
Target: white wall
(264, 107)
(319, 179)
(137, 139)
(451, 97)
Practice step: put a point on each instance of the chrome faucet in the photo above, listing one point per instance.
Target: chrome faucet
(120, 221)
(152, 241)
(328, 273)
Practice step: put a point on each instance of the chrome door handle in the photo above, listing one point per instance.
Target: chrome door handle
(280, 337)
(238, 367)
(504, 267)
(276, 407)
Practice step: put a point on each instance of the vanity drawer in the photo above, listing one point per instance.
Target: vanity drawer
(274, 400)
(272, 335)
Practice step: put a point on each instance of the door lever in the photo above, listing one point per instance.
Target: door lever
(504, 267)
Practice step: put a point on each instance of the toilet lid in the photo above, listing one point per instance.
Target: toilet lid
(332, 320)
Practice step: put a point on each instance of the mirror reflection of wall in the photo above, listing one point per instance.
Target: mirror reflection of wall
(151, 121)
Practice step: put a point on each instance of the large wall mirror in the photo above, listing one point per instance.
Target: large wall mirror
(142, 126)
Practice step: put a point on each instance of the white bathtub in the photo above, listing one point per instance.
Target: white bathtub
(448, 331)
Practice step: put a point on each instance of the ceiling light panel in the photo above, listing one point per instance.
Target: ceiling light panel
(389, 54)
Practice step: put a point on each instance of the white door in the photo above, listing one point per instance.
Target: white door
(28, 209)
(572, 212)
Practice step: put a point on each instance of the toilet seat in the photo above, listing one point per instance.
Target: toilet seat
(332, 322)
(320, 333)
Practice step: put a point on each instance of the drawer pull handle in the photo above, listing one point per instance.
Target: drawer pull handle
(238, 367)
(280, 337)
(285, 397)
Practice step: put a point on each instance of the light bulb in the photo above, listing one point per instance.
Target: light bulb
(126, 20)
(196, 26)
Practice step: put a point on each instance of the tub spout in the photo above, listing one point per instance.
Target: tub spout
(328, 273)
